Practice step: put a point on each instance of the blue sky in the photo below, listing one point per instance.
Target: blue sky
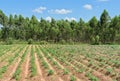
(61, 9)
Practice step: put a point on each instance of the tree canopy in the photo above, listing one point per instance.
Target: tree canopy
(105, 30)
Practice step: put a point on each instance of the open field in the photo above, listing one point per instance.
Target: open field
(59, 63)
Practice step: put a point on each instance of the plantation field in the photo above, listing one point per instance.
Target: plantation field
(59, 62)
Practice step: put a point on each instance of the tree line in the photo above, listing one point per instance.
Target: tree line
(102, 31)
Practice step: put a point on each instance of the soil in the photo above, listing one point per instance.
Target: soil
(38, 68)
(55, 74)
(8, 75)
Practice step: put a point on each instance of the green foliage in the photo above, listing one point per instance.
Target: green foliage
(3, 18)
(16, 74)
(33, 70)
(91, 77)
(102, 31)
(3, 69)
(81, 70)
(50, 72)
(90, 63)
(96, 40)
(45, 64)
(55, 63)
(72, 78)
(33, 66)
(9, 41)
(62, 42)
(109, 71)
(65, 71)
(10, 60)
(43, 42)
(30, 41)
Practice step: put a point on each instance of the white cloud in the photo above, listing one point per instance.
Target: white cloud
(39, 10)
(88, 6)
(103, 0)
(60, 11)
(48, 18)
(70, 19)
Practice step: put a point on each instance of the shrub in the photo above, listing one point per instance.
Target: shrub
(43, 42)
(50, 72)
(109, 71)
(30, 41)
(95, 40)
(3, 69)
(62, 42)
(72, 78)
(45, 64)
(116, 63)
(9, 41)
(54, 63)
(91, 77)
(16, 74)
(81, 70)
(90, 63)
(66, 71)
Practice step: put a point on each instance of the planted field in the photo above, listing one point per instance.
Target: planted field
(59, 63)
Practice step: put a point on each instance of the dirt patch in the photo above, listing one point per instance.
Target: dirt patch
(7, 76)
(102, 77)
(25, 68)
(38, 68)
(55, 74)
(11, 70)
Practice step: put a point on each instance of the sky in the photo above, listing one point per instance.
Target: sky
(60, 9)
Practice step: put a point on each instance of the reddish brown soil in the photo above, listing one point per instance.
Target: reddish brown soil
(42, 73)
(39, 68)
(66, 77)
(55, 74)
(4, 58)
(102, 77)
(3, 64)
(11, 70)
(8, 75)
(25, 68)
